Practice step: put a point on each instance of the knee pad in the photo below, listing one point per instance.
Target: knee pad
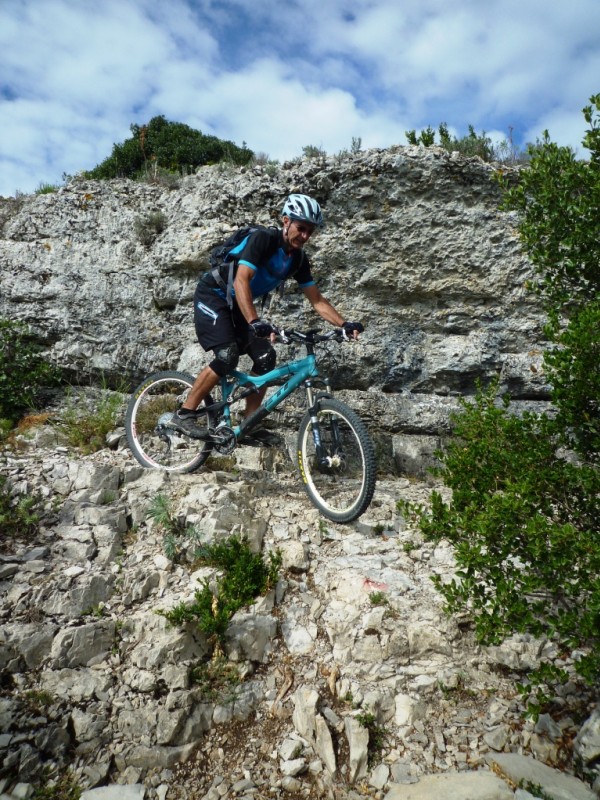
(264, 362)
(226, 359)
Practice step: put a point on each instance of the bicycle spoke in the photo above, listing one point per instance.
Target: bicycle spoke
(340, 480)
(152, 442)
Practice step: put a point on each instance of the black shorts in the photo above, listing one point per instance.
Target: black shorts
(218, 325)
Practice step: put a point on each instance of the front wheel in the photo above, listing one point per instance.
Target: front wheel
(340, 477)
(149, 437)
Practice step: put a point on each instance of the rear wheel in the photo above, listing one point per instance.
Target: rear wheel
(340, 480)
(151, 441)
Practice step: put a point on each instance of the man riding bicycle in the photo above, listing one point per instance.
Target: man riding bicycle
(226, 320)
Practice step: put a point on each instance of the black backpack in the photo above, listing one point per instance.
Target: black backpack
(218, 255)
(222, 264)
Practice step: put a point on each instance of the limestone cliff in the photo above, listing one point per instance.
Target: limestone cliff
(414, 246)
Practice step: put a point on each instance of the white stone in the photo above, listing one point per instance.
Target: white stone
(72, 572)
(408, 710)
(115, 792)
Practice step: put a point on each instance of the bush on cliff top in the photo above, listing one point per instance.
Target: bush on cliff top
(473, 144)
(164, 145)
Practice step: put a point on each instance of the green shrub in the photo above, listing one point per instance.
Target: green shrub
(6, 426)
(86, 428)
(272, 168)
(378, 599)
(37, 700)
(24, 370)
(473, 144)
(149, 227)
(244, 575)
(271, 165)
(558, 199)
(46, 188)
(62, 787)
(524, 518)
(312, 151)
(426, 137)
(178, 536)
(573, 369)
(217, 679)
(523, 523)
(19, 516)
(161, 146)
(377, 736)
(210, 613)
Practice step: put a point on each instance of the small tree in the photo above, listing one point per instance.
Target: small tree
(170, 146)
(558, 199)
(312, 151)
(524, 518)
(426, 137)
(24, 370)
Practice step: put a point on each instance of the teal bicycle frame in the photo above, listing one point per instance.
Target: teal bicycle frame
(296, 372)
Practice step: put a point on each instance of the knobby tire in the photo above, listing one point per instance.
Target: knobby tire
(153, 446)
(344, 490)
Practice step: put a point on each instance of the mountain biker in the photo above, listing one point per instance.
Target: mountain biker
(231, 326)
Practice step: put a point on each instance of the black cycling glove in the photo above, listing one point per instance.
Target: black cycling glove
(261, 328)
(350, 327)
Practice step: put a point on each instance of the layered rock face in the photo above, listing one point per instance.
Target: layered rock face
(414, 246)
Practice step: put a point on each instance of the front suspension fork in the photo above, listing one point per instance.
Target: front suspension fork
(324, 456)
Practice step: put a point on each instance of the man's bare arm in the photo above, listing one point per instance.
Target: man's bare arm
(322, 306)
(243, 293)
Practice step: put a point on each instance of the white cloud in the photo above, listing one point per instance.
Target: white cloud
(274, 112)
(564, 125)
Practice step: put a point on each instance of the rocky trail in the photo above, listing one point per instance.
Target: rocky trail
(349, 679)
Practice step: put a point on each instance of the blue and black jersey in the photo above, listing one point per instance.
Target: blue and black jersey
(264, 252)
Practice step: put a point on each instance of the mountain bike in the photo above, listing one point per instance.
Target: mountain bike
(335, 454)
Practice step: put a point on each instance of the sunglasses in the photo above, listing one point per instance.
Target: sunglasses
(303, 228)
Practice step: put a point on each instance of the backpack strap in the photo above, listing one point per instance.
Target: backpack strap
(226, 287)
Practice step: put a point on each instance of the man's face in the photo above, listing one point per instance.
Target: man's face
(296, 233)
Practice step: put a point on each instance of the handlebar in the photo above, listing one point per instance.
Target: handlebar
(312, 336)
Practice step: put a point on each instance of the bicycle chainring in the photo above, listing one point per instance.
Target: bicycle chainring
(224, 441)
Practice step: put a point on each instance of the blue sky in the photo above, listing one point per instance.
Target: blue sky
(75, 74)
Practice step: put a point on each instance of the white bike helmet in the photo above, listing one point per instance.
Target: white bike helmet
(303, 208)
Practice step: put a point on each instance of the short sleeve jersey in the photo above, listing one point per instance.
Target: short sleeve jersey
(263, 251)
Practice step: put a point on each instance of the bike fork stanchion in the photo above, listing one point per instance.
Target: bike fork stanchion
(313, 410)
(333, 424)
